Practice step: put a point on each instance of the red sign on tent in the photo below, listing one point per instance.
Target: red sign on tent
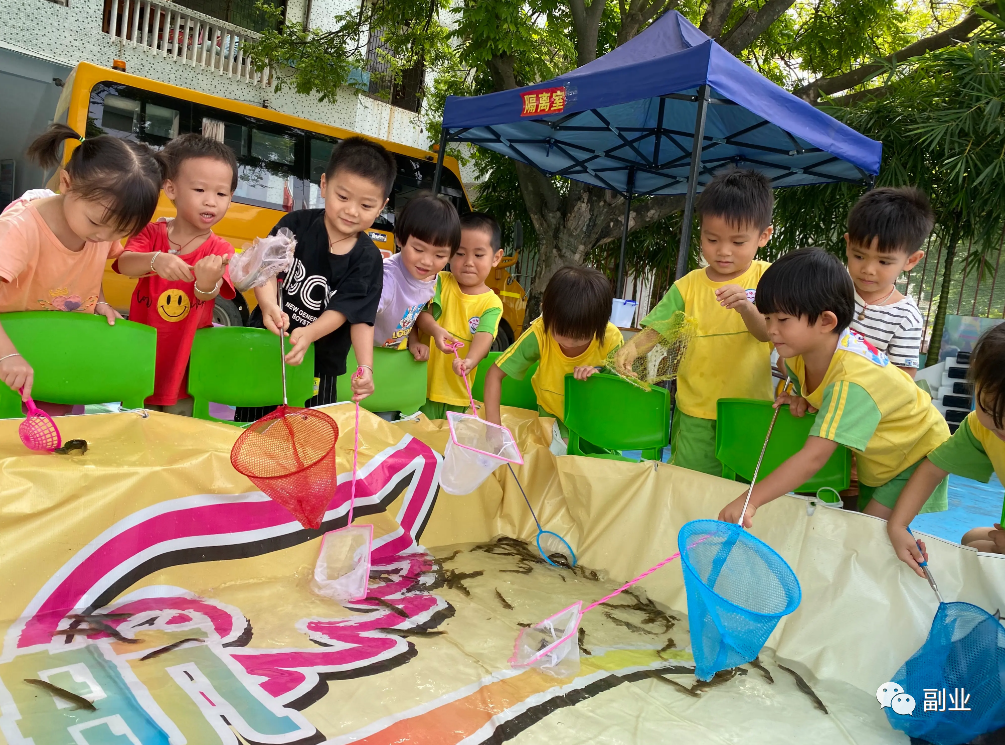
(544, 101)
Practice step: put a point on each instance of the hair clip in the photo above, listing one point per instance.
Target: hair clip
(81, 139)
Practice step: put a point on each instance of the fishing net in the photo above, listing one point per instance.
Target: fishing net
(737, 589)
(475, 449)
(262, 260)
(551, 646)
(343, 568)
(38, 431)
(956, 681)
(654, 355)
(290, 455)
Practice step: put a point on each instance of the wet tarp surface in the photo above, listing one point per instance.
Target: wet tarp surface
(153, 534)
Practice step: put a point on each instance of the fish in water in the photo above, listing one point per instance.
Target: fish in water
(582, 640)
(452, 556)
(455, 580)
(112, 631)
(759, 666)
(99, 616)
(723, 676)
(503, 601)
(524, 625)
(628, 625)
(69, 445)
(524, 569)
(672, 683)
(805, 688)
(390, 606)
(79, 631)
(174, 645)
(406, 633)
(666, 647)
(561, 560)
(73, 698)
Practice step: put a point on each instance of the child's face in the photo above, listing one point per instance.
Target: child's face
(423, 260)
(729, 249)
(352, 202)
(570, 345)
(87, 218)
(874, 271)
(795, 335)
(475, 258)
(201, 191)
(988, 421)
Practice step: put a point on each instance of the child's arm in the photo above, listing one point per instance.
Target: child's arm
(440, 336)
(919, 488)
(165, 265)
(362, 344)
(327, 322)
(493, 394)
(419, 350)
(477, 350)
(735, 298)
(273, 317)
(101, 308)
(14, 369)
(209, 274)
(795, 471)
(637, 346)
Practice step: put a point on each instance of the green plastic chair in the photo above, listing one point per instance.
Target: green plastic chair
(516, 393)
(399, 381)
(240, 366)
(741, 426)
(612, 415)
(79, 359)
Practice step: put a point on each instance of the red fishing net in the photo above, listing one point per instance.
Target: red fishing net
(290, 455)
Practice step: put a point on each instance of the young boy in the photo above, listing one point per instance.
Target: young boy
(975, 451)
(428, 233)
(181, 263)
(863, 402)
(886, 229)
(573, 335)
(729, 356)
(331, 293)
(463, 309)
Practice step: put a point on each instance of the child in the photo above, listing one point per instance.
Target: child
(181, 262)
(428, 233)
(331, 294)
(729, 356)
(886, 229)
(864, 402)
(975, 451)
(53, 249)
(464, 309)
(572, 335)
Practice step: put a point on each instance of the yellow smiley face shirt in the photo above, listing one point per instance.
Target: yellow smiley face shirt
(549, 381)
(462, 316)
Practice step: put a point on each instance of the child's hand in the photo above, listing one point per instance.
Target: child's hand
(623, 360)
(362, 384)
(173, 268)
(906, 547)
(463, 368)
(798, 406)
(106, 310)
(582, 373)
(300, 341)
(274, 319)
(733, 297)
(443, 340)
(731, 512)
(998, 536)
(208, 271)
(419, 350)
(18, 375)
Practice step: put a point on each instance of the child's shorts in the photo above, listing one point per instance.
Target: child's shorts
(438, 410)
(887, 494)
(692, 444)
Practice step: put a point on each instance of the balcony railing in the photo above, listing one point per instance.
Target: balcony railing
(168, 30)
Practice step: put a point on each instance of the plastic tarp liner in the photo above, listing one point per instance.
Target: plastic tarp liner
(153, 535)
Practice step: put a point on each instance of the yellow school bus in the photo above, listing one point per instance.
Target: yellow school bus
(280, 162)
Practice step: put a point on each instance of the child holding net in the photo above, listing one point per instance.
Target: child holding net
(729, 355)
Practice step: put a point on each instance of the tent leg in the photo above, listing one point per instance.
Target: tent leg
(439, 160)
(624, 231)
(692, 181)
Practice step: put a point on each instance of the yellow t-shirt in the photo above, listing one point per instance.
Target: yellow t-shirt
(463, 316)
(723, 360)
(873, 407)
(972, 452)
(549, 381)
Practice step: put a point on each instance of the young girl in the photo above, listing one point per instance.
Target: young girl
(53, 249)
(573, 335)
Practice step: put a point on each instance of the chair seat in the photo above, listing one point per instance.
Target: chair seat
(399, 382)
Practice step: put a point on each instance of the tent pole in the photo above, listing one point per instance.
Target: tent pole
(439, 160)
(624, 230)
(692, 181)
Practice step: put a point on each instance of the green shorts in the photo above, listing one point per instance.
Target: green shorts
(438, 410)
(563, 430)
(887, 494)
(692, 444)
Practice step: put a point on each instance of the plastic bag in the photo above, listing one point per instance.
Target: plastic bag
(475, 449)
(262, 260)
(551, 646)
(343, 569)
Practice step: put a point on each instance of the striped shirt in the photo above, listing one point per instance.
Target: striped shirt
(894, 329)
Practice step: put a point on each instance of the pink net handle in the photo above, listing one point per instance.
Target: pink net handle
(471, 396)
(355, 456)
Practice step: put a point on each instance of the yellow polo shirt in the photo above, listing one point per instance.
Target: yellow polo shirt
(973, 452)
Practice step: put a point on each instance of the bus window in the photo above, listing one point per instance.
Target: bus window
(121, 114)
(321, 153)
(136, 114)
(236, 137)
(273, 147)
(161, 121)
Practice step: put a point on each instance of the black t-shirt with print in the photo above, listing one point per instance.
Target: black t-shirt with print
(320, 280)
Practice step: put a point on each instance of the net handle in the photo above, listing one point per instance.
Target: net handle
(282, 348)
(355, 455)
(928, 573)
(471, 396)
(757, 468)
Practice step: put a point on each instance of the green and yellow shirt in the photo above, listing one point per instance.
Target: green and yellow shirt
(974, 452)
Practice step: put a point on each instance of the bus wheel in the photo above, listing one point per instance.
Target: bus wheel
(226, 313)
(504, 338)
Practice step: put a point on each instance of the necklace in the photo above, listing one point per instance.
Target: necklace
(178, 250)
(865, 305)
(331, 243)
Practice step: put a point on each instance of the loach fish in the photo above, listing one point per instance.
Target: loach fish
(666, 647)
(99, 616)
(79, 631)
(164, 650)
(630, 626)
(452, 556)
(391, 607)
(69, 445)
(582, 639)
(111, 631)
(80, 701)
(759, 666)
(655, 675)
(406, 633)
(503, 601)
(455, 580)
(805, 688)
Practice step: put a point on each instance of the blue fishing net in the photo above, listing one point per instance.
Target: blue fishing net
(737, 587)
(957, 678)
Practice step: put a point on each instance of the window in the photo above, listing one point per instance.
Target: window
(274, 148)
(121, 114)
(243, 13)
(161, 121)
(136, 114)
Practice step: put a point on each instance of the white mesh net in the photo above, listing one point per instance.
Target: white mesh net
(551, 646)
(343, 568)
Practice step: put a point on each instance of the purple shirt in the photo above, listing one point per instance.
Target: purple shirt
(401, 301)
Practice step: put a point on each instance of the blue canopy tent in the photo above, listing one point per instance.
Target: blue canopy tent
(629, 121)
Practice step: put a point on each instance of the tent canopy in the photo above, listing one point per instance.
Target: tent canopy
(626, 121)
